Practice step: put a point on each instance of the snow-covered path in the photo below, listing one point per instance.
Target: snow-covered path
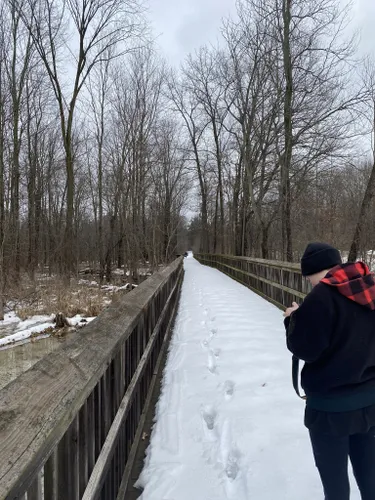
(229, 425)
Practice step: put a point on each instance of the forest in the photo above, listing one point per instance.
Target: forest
(111, 158)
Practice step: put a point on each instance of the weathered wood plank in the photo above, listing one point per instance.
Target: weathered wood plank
(38, 407)
(35, 492)
(270, 263)
(130, 462)
(269, 282)
(84, 446)
(278, 282)
(90, 436)
(63, 450)
(102, 465)
(74, 471)
(50, 477)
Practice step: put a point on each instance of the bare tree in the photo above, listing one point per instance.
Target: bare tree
(99, 88)
(3, 141)
(369, 83)
(186, 106)
(311, 57)
(252, 103)
(17, 67)
(169, 180)
(101, 28)
(203, 77)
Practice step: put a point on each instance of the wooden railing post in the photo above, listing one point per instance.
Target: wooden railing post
(70, 425)
(279, 282)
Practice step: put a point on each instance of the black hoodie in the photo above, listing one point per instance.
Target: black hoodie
(334, 333)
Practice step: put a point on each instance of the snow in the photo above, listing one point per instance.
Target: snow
(80, 320)
(115, 289)
(106, 288)
(22, 330)
(118, 272)
(89, 283)
(228, 423)
(35, 321)
(10, 317)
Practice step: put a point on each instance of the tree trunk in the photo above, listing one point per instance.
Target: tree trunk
(69, 233)
(215, 220)
(100, 215)
(220, 185)
(288, 136)
(120, 252)
(167, 227)
(363, 214)
(2, 215)
(264, 242)
(205, 244)
(2, 259)
(31, 189)
(236, 218)
(15, 187)
(365, 206)
(108, 259)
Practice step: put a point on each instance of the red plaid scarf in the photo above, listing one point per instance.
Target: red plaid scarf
(354, 281)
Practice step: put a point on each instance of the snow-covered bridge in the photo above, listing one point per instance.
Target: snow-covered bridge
(228, 423)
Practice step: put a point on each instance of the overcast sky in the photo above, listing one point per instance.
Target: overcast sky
(365, 20)
(185, 25)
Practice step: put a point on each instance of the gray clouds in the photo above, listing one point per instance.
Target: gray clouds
(185, 25)
(365, 22)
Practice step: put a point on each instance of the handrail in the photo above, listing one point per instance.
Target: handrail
(77, 410)
(271, 263)
(279, 282)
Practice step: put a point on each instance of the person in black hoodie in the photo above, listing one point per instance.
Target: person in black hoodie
(333, 332)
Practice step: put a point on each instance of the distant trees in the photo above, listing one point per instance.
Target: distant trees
(367, 203)
(104, 150)
(92, 167)
(103, 29)
(279, 108)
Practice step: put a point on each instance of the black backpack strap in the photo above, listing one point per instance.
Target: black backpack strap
(295, 376)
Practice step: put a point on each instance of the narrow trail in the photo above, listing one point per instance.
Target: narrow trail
(228, 426)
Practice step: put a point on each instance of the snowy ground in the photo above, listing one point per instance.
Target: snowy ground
(13, 330)
(229, 425)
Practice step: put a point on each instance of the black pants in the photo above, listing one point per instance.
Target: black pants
(331, 457)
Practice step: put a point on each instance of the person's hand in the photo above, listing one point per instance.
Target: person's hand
(291, 310)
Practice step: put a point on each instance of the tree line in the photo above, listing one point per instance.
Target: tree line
(104, 149)
(280, 120)
(91, 168)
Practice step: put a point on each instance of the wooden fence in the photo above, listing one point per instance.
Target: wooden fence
(279, 282)
(69, 426)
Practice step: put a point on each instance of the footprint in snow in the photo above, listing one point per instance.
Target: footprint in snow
(229, 389)
(232, 467)
(205, 343)
(236, 488)
(212, 365)
(233, 471)
(209, 415)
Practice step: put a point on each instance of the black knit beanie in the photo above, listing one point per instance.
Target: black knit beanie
(318, 257)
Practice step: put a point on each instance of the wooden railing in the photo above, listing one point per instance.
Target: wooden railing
(279, 282)
(69, 426)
